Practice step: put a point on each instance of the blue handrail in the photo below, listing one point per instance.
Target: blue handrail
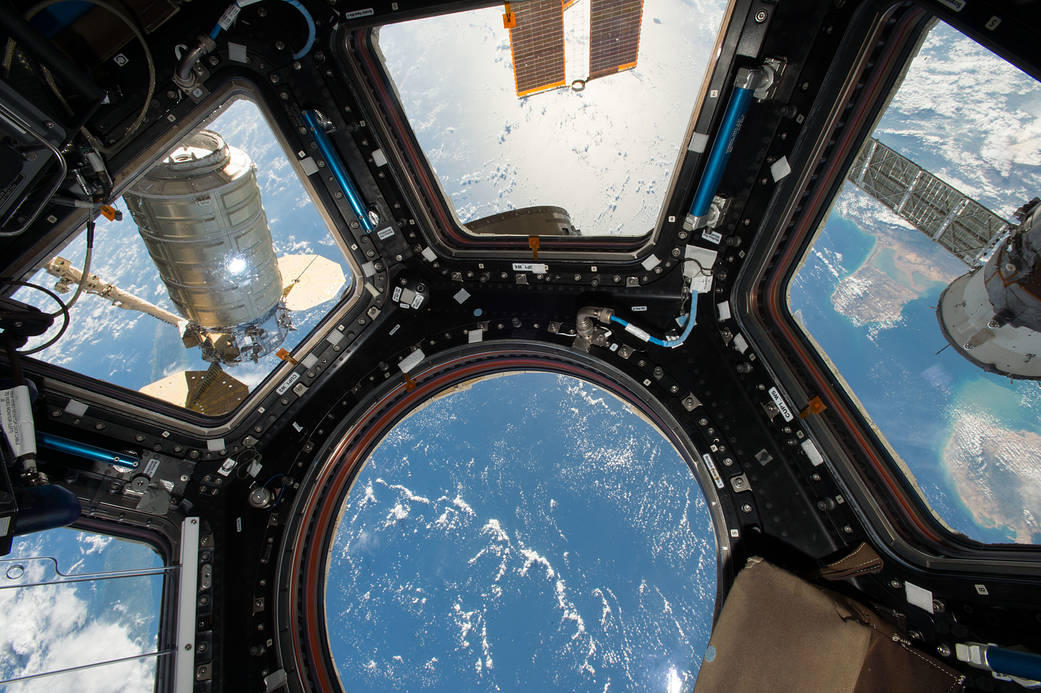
(734, 117)
(350, 191)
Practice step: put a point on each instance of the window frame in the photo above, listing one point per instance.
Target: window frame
(860, 82)
(134, 403)
(362, 65)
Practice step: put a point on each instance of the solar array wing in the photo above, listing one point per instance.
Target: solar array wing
(537, 45)
(952, 219)
(614, 36)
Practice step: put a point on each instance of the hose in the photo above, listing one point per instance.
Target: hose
(86, 269)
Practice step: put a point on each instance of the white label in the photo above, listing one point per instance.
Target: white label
(474, 336)
(379, 158)
(238, 524)
(228, 18)
(417, 301)
(461, 296)
(297, 427)
(368, 269)
(75, 408)
(309, 361)
(650, 262)
(637, 332)
(780, 168)
(358, 14)
(712, 236)
(724, 310)
(334, 337)
(638, 309)
(957, 6)
(698, 142)
(394, 330)
(215, 444)
(411, 361)
(429, 254)
(308, 166)
(396, 296)
(782, 406)
(816, 458)
(993, 23)
(237, 52)
(151, 466)
(712, 470)
(288, 383)
(16, 417)
(740, 344)
(535, 267)
(919, 596)
(384, 234)
(254, 468)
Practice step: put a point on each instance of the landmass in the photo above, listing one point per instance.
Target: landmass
(899, 269)
(995, 471)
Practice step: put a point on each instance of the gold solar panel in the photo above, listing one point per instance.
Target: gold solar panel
(536, 44)
(614, 36)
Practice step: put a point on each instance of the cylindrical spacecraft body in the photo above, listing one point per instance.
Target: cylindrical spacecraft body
(992, 314)
(199, 212)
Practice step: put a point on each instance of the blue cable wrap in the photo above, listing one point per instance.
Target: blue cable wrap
(215, 32)
(325, 145)
(1025, 665)
(688, 327)
(733, 119)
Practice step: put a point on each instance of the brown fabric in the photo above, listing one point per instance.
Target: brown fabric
(779, 633)
(861, 561)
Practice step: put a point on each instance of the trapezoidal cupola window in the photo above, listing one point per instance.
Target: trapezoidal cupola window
(919, 289)
(570, 116)
(193, 286)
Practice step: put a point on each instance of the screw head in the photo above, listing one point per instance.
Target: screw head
(760, 16)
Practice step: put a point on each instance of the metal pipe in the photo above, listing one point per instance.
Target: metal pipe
(185, 77)
(585, 324)
(79, 577)
(733, 119)
(316, 124)
(81, 667)
(89, 452)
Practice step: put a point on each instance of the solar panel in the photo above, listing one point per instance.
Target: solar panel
(955, 221)
(536, 44)
(614, 36)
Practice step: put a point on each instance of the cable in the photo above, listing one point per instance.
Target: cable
(639, 333)
(85, 274)
(16, 363)
(64, 312)
(138, 33)
(310, 29)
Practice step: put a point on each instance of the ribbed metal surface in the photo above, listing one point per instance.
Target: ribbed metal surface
(200, 214)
